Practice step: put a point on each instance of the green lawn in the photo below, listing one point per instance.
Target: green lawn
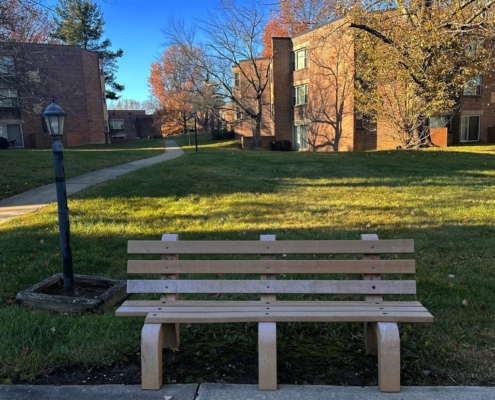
(30, 168)
(444, 199)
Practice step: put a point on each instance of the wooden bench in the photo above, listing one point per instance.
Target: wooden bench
(380, 317)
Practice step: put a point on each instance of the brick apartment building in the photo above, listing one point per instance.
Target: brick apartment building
(310, 96)
(129, 124)
(31, 73)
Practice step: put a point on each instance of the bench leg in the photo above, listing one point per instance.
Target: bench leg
(388, 356)
(152, 356)
(370, 338)
(267, 355)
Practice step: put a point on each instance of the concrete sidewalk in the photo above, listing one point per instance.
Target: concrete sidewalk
(218, 391)
(35, 199)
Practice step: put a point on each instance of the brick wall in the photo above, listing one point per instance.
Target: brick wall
(282, 88)
(66, 72)
(136, 123)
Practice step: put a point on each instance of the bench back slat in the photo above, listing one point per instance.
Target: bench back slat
(396, 246)
(280, 286)
(271, 266)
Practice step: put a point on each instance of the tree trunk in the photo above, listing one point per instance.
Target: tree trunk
(256, 134)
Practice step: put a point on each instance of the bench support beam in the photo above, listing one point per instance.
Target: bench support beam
(388, 340)
(172, 331)
(267, 355)
(152, 356)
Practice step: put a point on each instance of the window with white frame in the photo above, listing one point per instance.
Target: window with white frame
(301, 137)
(470, 128)
(300, 59)
(300, 95)
(237, 79)
(6, 65)
(9, 98)
(473, 87)
(117, 124)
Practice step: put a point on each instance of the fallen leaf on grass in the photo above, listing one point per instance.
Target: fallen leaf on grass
(46, 262)
(9, 301)
(368, 225)
(42, 241)
(484, 306)
(451, 284)
(214, 296)
(464, 303)
(188, 325)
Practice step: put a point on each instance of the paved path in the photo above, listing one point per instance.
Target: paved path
(218, 391)
(35, 199)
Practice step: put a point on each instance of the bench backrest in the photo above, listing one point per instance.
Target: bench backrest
(267, 267)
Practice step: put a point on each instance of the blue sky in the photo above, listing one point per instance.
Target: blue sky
(135, 27)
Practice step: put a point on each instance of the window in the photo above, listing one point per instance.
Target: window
(9, 98)
(12, 133)
(299, 59)
(440, 121)
(117, 124)
(238, 113)
(6, 65)
(300, 95)
(473, 87)
(470, 128)
(237, 79)
(301, 137)
(358, 120)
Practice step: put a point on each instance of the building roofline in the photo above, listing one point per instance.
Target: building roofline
(48, 44)
(317, 27)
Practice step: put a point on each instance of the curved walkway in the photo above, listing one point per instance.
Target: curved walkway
(35, 199)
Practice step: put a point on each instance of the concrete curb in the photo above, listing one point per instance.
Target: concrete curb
(40, 197)
(219, 391)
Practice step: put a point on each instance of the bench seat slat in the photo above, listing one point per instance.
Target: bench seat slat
(143, 311)
(275, 316)
(396, 246)
(285, 303)
(271, 266)
(281, 286)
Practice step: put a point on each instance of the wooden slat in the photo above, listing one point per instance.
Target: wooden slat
(143, 311)
(397, 246)
(272, 266)
(283, 303)
(249, 286)
(268, 276)
(273, 316)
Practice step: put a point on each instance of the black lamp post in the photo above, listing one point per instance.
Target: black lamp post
(55, 119)
(196, 129)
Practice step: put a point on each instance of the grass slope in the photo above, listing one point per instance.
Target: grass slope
(30, 168)
(441, 198)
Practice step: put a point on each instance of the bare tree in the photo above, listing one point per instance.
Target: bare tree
(229, 55)
(125, 104)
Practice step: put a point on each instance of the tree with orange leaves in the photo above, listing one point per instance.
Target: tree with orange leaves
(170, 83)
(295, 16)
